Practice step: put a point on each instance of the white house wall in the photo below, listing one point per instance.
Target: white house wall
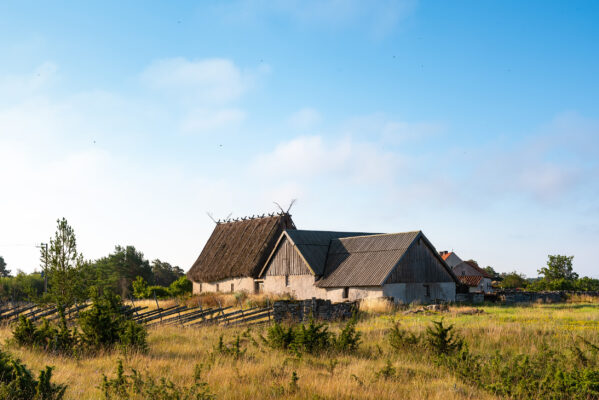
(354, 293)
(299, 286)
(483, 286)
(224, 286)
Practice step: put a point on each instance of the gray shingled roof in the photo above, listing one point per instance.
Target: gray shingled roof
(365, 260)
(314, 245)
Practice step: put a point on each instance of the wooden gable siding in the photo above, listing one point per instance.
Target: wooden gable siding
(287, 261)
(419, 264)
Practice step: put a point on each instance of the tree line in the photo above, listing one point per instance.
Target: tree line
(558, 274)
(66, 277)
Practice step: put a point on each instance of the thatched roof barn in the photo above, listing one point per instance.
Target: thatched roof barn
(239, 248)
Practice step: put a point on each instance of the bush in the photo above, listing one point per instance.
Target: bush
(442, 340)
(400, 339)
(136, 386)
(280, 337)
(102, 326)
(133, 336)
(180, 287)
(17, 382)
(46, 337)
(313, 338)
(349, 339)
(140, 288)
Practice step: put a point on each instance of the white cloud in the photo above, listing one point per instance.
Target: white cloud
(379, 18)
(207, 121)
(305, 118)
(17, 87)
(211, 81)
(308, 157)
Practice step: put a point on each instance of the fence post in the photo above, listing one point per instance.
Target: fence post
(158, 306)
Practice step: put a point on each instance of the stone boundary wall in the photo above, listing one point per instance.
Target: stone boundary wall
(469, 297)
(520, 296)
(301, 310)
(516, 296)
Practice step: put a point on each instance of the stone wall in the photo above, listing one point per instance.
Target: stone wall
(292, 310)
(519, 296)
(469, 297)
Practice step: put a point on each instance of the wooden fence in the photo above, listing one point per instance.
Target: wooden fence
(177, 315)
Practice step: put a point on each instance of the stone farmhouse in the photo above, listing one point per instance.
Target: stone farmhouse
(268, 254)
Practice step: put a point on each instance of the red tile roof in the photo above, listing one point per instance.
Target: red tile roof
(471, 280)
(479, 269)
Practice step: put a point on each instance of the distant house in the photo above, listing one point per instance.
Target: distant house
(471, 275)
(236, 252)
(349, 266)
(450, 258)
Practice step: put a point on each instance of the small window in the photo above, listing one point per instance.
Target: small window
(258, 287)
(286, 280)
(217, 287)
(463, 273)
(345, 292)
(232, 288)
(428, 290)
(200, 287)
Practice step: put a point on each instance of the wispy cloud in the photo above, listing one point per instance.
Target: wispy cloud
(380, 17)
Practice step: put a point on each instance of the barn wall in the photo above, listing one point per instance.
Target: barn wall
(287, 261)
(300, 286)
(419, 264)
(239, 284)
(416, 292)
(355, 293)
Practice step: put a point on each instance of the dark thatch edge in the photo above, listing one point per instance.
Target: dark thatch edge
(239, 248)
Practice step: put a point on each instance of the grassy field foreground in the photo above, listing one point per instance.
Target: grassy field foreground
(263, 373)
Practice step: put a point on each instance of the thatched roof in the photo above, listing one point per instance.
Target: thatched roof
(239, 248)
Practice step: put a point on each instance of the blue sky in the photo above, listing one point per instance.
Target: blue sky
(476, 122)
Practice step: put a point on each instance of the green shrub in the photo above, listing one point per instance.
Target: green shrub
(349, 339)
(400, 339)
(441, 339)
(17, 382)
(137, 387)
(140, 288)
(102, 324)
(133, 336)
(180, 287)
(234, 349)
(312, 338)
(387, 372)
(46, 337)
(24, 332)
(545, 374)
(161, 292)
(280, 337)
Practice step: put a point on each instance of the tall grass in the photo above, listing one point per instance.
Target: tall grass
(256, 371)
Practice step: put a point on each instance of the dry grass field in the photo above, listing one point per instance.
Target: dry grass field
(265, 373)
